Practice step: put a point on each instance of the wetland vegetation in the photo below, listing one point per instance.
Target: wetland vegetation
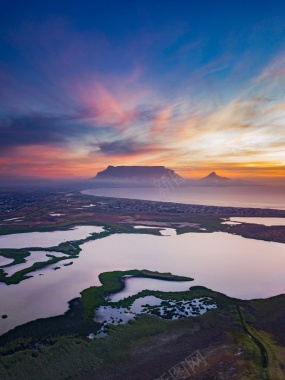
(219, 333)
(60, 344)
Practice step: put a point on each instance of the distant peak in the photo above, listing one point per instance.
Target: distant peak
(214, 176)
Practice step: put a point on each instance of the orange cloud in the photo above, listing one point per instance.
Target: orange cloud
(240, 137)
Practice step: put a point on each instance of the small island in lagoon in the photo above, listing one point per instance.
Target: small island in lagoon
(217, 326)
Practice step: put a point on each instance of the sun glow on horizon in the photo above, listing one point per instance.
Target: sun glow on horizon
(83, 100)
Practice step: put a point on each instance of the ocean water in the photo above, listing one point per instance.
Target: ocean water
(241, 196)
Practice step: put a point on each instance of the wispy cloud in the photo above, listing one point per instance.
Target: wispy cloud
(150, 98)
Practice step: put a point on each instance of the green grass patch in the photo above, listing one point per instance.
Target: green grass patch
(113, 282)
(18, 255)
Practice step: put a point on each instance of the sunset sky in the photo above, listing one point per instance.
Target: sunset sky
(193, 85)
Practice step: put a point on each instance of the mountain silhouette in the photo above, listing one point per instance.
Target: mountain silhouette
(136, 173)
(214, 177)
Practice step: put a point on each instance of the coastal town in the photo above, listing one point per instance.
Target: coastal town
(181, 208)
(21, 200)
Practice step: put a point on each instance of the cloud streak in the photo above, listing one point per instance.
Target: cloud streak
(157, 96)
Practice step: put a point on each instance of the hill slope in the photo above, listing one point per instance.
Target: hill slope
(135, 173)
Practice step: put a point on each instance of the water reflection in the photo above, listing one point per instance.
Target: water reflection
(34, 257)
(47, 239)
(239, 267)
(257, 220)
(134, 285)
(238, 196)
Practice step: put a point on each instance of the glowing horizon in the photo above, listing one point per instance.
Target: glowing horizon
(142, 86)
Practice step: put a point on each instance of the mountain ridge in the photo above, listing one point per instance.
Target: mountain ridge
(144, 172)
(135, 173)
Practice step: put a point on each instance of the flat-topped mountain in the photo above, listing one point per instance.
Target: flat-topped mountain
(140, 176)
(135, 173)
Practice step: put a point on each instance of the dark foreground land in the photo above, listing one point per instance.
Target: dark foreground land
(239, 339)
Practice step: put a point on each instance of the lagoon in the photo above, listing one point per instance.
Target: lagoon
(34, 257)
(239, 267)
(134, 285)
(47, 239)
(5, 261)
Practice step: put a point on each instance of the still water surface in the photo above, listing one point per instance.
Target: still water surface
(47, 239)
(258, 220)
(238, 267)
(237, 196)
(34, 257)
